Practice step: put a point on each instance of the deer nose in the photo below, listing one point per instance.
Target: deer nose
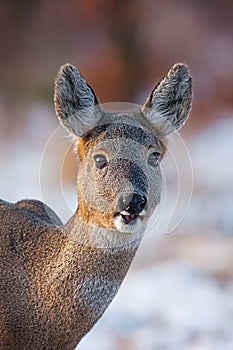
(133, 203)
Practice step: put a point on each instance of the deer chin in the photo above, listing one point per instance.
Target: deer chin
(127, 222)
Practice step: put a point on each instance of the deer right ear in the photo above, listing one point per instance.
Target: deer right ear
(76, 104)
(169, 104)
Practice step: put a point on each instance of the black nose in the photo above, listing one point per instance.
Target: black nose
(133, 204)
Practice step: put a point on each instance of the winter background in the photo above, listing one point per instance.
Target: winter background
(178, 292)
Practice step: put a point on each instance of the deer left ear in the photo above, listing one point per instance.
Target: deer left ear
(169, 104)
(76, 104)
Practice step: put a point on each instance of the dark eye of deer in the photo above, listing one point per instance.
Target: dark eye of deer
(153, 159)
(100, 161)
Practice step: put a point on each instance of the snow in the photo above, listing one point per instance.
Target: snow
(167, 306)
(212, 154)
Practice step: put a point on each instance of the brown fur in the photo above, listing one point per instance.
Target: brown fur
(94, 217)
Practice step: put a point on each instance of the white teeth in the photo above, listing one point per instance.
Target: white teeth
(124, 212)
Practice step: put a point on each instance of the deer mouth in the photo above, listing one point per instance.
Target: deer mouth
(128, 222)
(128, 218)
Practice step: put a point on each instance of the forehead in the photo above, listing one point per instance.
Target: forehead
(112, 131)
(122, 127)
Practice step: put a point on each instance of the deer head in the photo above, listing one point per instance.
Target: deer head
(119, 181)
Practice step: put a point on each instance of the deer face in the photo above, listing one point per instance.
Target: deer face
(119, 180)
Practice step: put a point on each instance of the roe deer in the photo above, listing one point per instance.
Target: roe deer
(57, 280)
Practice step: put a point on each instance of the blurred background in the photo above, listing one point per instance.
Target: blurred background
(178, 293)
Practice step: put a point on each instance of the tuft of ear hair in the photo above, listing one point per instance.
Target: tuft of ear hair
(169, 104)
(76, 104)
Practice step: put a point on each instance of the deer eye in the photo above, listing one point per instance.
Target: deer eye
(100, 161)
(153, 159)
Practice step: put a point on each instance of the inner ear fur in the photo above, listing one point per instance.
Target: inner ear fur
(76, 104)
(169, 104)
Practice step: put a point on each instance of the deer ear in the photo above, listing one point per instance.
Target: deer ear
(76, 104)
(169, 104)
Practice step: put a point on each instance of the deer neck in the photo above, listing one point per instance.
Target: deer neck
(98, 266)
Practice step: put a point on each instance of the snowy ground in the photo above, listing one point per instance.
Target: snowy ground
(178, 293)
